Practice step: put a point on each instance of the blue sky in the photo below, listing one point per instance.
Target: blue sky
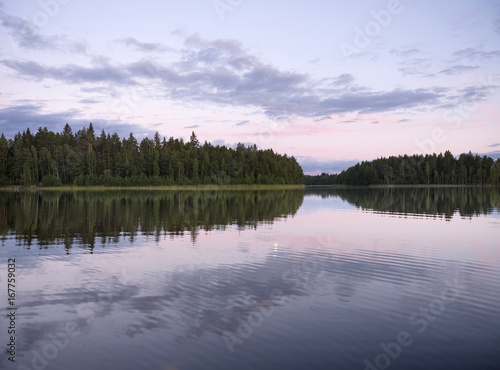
(329, 82)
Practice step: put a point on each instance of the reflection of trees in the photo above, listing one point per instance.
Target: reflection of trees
(469, 201)
(64, 217)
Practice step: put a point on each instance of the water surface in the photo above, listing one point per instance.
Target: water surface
(287, 279)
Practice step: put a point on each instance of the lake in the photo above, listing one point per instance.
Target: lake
(405, 278)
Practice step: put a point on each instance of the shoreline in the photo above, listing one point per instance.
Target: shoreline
(232, 187)
(163, 188)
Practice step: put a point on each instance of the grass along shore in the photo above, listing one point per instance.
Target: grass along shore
(228, 187)
(172, 187)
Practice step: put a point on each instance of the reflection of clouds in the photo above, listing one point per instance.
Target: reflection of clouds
(191, 303)
(209, 300)
(170, 367)
(80, 304)
(145, 324)
(344, 288)
(31, 334)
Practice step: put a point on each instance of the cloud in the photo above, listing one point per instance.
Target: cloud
(15, 118)
(415, 66)
(341, 82)
(105, 91)
(27, 37)
(494, 154)
(218, 142)
(473, 94)
(71, 73)
(143, 46)
(193, 126)
(456, 69)
(222, 72)
(312, 165)
(496, 24)
(403, 120)
(405, 53)
(325, 118)
(372, 102)
(89, 101)
(375, 122)
(221, 142)
(344, 79)
(494, 145)
(245, 143)
(242, 123)
(476, 54)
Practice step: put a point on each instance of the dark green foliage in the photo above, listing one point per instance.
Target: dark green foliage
(82, 217)
(442, 169)
(90, 159)
(51, 180)
(323, 179)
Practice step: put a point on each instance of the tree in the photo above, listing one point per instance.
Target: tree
(157, 141)
(67, 136)
(193, 140)
(428, 172)
(4, 150)
(87, 139)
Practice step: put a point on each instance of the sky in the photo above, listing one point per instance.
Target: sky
(330, 82)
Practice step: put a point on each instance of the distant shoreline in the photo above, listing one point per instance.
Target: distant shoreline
(233, 187)
(173, 187)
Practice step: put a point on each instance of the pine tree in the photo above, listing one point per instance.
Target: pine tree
(193, 140)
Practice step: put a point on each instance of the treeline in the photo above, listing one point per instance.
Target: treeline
(86, 159)
(442, 169)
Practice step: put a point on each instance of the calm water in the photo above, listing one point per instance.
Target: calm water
(314, 279)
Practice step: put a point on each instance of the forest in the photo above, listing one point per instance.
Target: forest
(441, 169)
(85, 158)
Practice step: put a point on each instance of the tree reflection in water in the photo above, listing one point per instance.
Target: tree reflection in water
(82, 216)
